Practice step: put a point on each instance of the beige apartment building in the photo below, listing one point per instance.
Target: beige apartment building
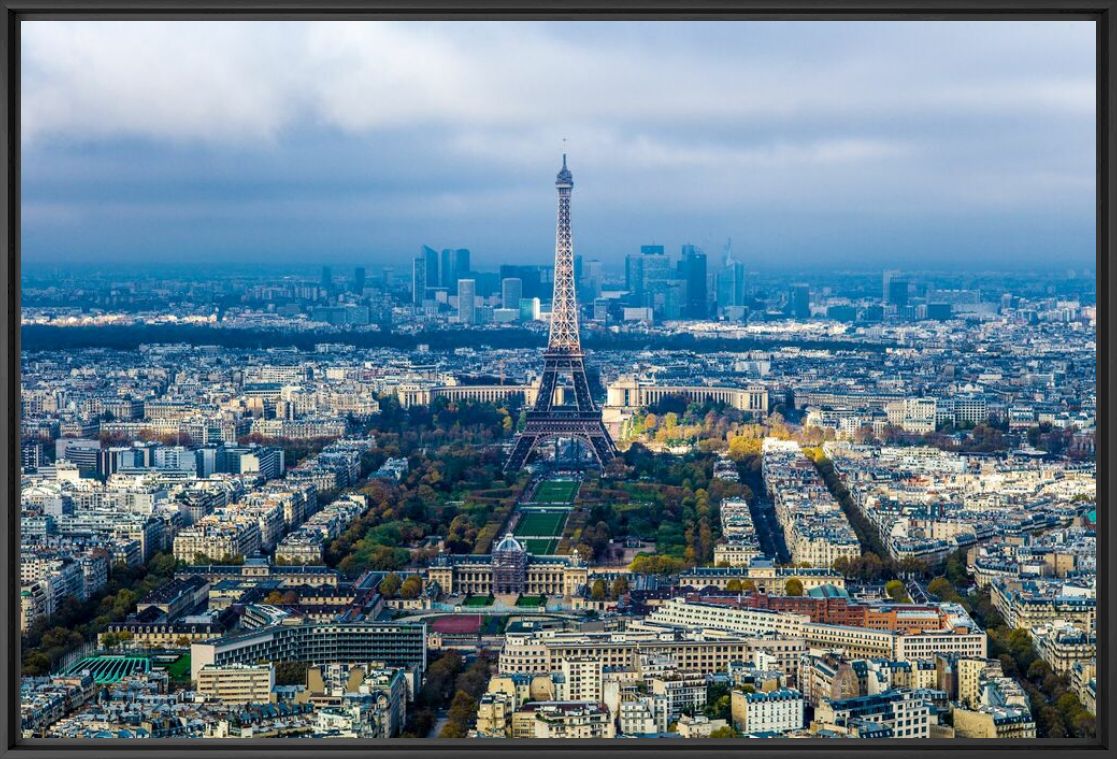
(237, 683)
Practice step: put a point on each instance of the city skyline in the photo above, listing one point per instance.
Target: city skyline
(836, 479)
(861, 150)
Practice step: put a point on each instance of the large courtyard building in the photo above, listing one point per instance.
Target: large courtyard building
(509, 569)
(398, 644)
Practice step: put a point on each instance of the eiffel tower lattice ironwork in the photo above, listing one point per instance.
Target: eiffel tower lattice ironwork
(545, 420)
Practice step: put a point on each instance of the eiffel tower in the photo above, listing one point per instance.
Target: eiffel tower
(546, 421)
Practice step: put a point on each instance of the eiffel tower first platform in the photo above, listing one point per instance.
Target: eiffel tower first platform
(546, 421)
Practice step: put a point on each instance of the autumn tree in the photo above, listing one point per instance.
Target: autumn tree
(390, 585)
(411, 587)
(597, 592)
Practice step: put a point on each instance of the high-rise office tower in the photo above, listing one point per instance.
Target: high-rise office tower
(886, 281)
(359, 279)
(455, 266)
(897, 292)
(419, 279)
(327, 278)
(462, 266)
(430, 258)
(563, 356)
(731, 285)
(590, 279)
(446, 276)
(511, 291)
(799, 301)
(467, 301)
(634, 274)
(730, 280)
(658, 277)
(692, 269)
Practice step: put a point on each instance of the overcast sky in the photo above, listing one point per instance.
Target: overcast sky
(912, 144)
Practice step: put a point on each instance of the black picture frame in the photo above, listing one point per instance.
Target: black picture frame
(1102, 12)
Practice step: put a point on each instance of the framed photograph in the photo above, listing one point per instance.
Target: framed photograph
(421, 378)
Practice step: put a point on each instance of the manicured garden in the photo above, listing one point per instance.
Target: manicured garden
(476, 601)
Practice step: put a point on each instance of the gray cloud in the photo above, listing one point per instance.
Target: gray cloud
(220, 139)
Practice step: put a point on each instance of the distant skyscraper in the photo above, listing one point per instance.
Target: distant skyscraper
(897, 292)
(886, 281)
(359, 279)
(446, 276)
(455, 266)
(670, 298)
(467, 301)
(430, 257)
(462, 266)
(657, 278)
(511, 291)
(692, 268)
(418, 280)
(799, 301)
(327, 278)
(730, 280)
(590, 279)
(731, 285)
(634, 274)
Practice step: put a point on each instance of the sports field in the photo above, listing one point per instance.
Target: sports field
(540, 531)
(535, 524)
(540, 546)
(556, 491)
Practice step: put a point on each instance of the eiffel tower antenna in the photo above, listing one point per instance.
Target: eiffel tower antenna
(563, 356)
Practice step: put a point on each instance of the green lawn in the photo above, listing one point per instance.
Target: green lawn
(179, 669)
(531, 602)
(540, 546)
(556, 491)
(639, 493)
(478, 601)
(539, 523)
